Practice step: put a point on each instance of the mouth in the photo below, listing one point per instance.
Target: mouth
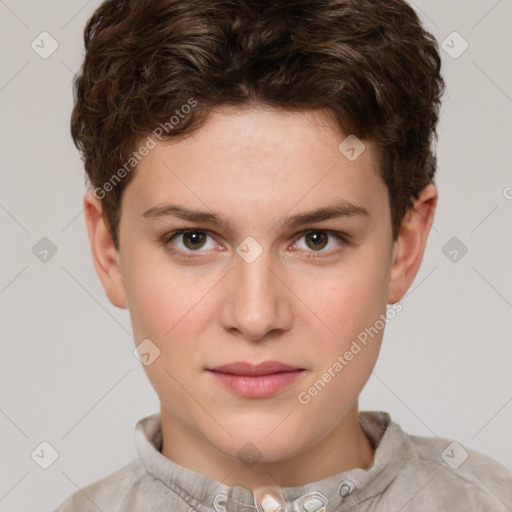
(256, 381)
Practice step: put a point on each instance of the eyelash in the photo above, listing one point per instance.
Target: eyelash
(341, 237)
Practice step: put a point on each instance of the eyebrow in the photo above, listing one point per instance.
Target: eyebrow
(340, 209)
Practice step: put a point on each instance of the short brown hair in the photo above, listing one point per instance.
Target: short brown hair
(369, 63)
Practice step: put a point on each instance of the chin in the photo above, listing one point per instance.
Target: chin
(265, 443)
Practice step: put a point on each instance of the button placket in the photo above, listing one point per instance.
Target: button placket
(230, 503)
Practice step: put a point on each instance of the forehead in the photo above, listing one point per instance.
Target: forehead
(261, 160)
(261, 131)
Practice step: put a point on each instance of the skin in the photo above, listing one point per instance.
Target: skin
(295, 303)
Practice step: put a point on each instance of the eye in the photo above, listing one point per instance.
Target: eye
(323, 241)
(186, 242)
(192, 240)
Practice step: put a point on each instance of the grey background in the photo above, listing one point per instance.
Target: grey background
(68, 375)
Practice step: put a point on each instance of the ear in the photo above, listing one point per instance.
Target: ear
(105, 256)
(410, 245)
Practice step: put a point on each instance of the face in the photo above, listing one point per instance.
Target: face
(257, 261)
(262, 283)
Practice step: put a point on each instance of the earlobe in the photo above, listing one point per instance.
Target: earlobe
(410, 245)
(104, 253)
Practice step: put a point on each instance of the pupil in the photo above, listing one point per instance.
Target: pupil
(317, 238)
(195, 238)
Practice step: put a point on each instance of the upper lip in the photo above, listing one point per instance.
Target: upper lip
(265, 368)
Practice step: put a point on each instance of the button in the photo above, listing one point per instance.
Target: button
(346, 487)
(220, 503)
(312, 502)
(269, 499)
(270, 504)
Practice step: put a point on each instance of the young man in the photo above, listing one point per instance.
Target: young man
(261, 196)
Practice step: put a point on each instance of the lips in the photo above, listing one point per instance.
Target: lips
(248, 369)
(256, 381)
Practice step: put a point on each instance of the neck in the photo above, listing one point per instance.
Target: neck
(345, 447)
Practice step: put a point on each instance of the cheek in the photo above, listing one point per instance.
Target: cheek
(164, 309)
(352, 307)
(169, 306)
(352, 298)
(355, 316)
(158, 294)
(151, 308)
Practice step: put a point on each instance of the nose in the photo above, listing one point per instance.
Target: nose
(257, 304)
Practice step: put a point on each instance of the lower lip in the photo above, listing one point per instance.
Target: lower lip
(260, 386)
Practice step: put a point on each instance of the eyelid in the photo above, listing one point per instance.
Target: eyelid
(337, 234)
(173, 234)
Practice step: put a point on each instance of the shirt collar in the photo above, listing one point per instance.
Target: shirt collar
(346, 488)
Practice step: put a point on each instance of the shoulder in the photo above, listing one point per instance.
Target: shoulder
(439, 470)
(108, 493)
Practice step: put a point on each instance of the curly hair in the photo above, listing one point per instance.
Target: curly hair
(368, 63)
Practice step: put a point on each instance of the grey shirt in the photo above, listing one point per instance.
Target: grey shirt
(409, 473)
